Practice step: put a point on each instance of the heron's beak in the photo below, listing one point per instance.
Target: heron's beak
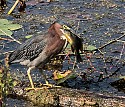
(67, 31)
(65, 27)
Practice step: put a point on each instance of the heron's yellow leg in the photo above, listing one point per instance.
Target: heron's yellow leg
(46, 81)
(31, 81)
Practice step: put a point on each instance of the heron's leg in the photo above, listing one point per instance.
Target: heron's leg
(31, 82)
(44, 76)
(46, 81)
(28, 73)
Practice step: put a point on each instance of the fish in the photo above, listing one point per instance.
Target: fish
(76, 44)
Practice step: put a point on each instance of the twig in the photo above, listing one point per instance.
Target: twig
(11, 37)
(122, 50)
(77, 26)
(120, 56)
(121, 41)
(6, 39)
(10, 11)
(114, 73)
(15, 40)
(110, 42)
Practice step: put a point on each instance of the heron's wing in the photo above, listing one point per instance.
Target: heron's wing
(29, 50)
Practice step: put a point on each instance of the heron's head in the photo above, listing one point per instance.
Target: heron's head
(57, 25)
(62, 29)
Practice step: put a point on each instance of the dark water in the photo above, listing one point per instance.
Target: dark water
(96, 21)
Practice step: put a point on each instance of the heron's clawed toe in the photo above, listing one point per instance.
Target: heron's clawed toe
(51, 86)
(39, 88)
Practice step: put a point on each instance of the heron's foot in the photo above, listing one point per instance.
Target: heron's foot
(47, 84)
(42, 86)
(51, 85)
(39, 88)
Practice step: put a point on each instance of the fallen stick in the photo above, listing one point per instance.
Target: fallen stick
(66, 97)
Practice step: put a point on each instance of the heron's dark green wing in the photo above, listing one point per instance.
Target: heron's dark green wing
(28, 50)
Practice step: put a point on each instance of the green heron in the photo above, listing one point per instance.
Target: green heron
(76, 43)
(39, 50)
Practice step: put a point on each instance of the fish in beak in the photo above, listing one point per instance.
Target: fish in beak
(75, 42)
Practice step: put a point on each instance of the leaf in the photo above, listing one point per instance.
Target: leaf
(85, 47)
(6, 26)
(58, 75)
(28, 36)
(14, 26)
(67, 75)
(91, 48)
(5, 21)
(4, 31)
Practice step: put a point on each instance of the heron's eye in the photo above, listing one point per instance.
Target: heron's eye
(66, 27)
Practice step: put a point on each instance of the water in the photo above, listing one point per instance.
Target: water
(96, 21)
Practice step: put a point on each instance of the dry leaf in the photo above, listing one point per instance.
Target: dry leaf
(58, 75)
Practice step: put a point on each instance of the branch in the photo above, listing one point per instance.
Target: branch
(13, 7)
(11, 37)
(65, 97)
(6, 39)
(110, 42)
